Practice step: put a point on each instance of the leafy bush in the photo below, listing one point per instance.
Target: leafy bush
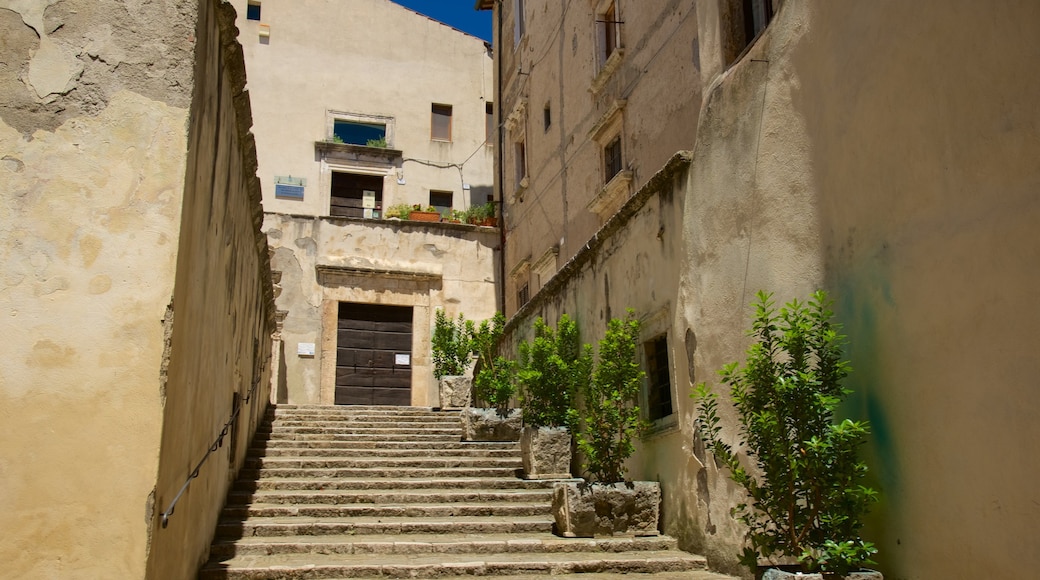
(494, 381)
(551, 368)
(808, 502)
(399, 210)
(380, 142)
(610, 415)
(452, 344)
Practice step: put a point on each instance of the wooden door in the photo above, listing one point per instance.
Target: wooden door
(373, 355)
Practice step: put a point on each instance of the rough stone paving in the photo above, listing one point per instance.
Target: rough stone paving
(378, 492)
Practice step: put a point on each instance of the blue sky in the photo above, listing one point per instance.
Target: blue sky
(457, 13)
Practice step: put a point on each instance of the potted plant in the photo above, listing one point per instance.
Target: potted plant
(482, 215)
(398, 210)
(609, 421)
(806, 500)
(420, 214)
(550, 369)
(457, 216)
(494, 384)
(451, 357)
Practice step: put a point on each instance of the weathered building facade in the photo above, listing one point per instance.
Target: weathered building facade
(136, 291)
(791, 146)
(361, 106)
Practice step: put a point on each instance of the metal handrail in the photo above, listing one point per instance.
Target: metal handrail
(218, 443)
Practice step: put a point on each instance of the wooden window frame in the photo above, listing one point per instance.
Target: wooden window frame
(440, 111)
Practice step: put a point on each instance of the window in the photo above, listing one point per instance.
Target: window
(757, 14)
(520, 154)
(519, 25)
(253, 11)
(612, 159)
(609, 32)
(489, 122)
(356, 195)
(441, 123)
(441, 201)
(658, 378)
(547, 116)
(357, 133)
(523, 294)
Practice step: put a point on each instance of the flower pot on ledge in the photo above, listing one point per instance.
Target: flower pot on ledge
(424, 216)
(586, 510)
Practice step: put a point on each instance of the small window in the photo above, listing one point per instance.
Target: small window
(441, 123)
(520, 150)
(354, 133)
(757, 14)
(547, 116)
(612, 159)
(519, 25)
(609, 32)
(441, 201)
(658, 377)
(523, 294)
(489, 122)
(253, 11)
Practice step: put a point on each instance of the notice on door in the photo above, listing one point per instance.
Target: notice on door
(402, 359)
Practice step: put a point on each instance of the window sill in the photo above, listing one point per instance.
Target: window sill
(521, 189)
(612, 196)
(662, 427)
(355, 152)
(608, 69)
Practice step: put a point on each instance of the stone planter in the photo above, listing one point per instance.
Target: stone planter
(777, 574)
(546, 452)
(480, 424)
(454, 391)
(584, 510)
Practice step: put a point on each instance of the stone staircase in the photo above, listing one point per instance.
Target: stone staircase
(391, 492)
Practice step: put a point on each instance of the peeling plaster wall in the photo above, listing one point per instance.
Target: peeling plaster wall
(425, 266)
(223, 303)
(91, 179)
(856, 160)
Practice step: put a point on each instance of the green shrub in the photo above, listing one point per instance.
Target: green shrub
(610, 414)
(551, 368)
(398, 210)
(494, 381)
(452, 344)
(808, 503)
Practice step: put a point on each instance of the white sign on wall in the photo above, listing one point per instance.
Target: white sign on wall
(402, 359)
(305, 349)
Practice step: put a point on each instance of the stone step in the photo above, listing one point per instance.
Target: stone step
(301, 452)
(389, 496)
(472, 483)
(388, 429)
(421, 446)
(372, 472)
(351, 409)
(432, 566)
(381, 462)
(401, 510)
(331, 420)
(374, 437)
(435, 544)
(309, 526)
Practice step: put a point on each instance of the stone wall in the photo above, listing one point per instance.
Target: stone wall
(223, 307)
(128, 330)
(840, 152)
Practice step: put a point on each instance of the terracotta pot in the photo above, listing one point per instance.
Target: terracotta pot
(424, 216)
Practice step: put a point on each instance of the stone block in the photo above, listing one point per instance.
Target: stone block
(584, 510)
(481, 424)
(455, 391)
(546, 452)
(777, 574)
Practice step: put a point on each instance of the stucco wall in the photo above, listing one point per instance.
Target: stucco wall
(324, 261)
(845, 150)
(223, 308)
(93, 114)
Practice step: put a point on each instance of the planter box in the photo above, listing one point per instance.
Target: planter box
(454, 391)
(546, 452)
(777, 574)
(480, 424)
(424, 216)
(584, 510)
